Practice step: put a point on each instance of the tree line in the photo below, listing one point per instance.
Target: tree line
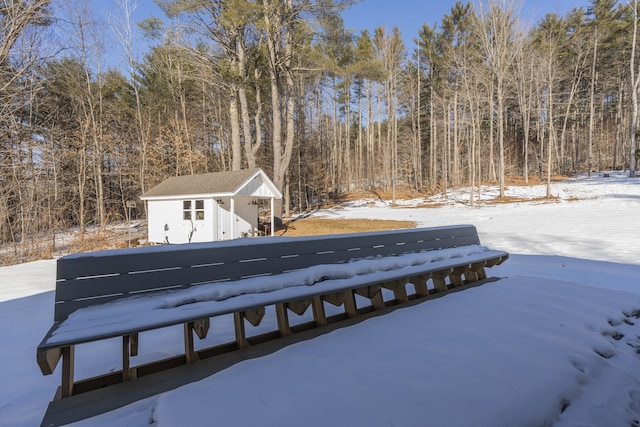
(284, 85)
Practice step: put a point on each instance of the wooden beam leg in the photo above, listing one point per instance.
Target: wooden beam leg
(336, 298)
(299, 306)
(68, 355)
(241, 338)
(283, 319)
(439, 280)
(471, 276)
(377, 301)
(201, 327)
(477, 271)
(189, 351)
(400, 291)
(48, 360)
(350, 304)
(496, 261)
(420, 285)
(319, 315)
(133, 344)
(374, 294)
(345, 299)
(456, 276)
(254, 315)
(482, 274)
(126, 360)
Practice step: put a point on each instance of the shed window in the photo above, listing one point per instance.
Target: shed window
(186, 210)
(199, 210)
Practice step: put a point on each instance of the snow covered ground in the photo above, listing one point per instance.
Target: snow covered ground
(553, 343)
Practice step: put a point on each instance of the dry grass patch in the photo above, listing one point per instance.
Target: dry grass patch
(321, 226)
(402, 193)
(510, 199)
(518, 181)
(436, 204)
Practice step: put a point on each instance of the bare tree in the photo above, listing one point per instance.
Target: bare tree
(525, 89)
(86, 46)
(635, 83)
(499, 37)
(126, 33)
(548, 39)
(21, 173)
(15, 17)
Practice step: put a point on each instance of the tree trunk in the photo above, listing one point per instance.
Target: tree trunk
(236, 150)
(635, 80)
(592, 110)
(278, 35)
(250, 148)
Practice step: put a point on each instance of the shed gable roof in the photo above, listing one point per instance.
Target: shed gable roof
(205, 184)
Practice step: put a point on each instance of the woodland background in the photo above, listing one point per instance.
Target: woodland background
(283, 85)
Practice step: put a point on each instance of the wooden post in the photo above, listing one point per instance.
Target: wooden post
(476, 272)
(345, 298)
(241, 338)
(68, 355)
(319, 315)
(350, 306)
(283, 319)
(189, 351)
(439, 279)
(377, 300)
(420, 285)
(374, 294)
(471, 276)
(456, 275)
(126, 361)
(400, 291)
(133, 344)
(336, 298)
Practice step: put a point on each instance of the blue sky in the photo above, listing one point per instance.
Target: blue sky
(410, 15)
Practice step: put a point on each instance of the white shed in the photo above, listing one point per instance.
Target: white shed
(208, 207)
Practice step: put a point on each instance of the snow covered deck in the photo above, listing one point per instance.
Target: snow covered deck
(157, 287)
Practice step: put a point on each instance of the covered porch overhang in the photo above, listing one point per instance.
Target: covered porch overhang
(232, 208)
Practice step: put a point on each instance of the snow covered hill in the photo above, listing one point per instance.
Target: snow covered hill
(555, 342)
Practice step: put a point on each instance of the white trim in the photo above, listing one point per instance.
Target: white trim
(187, 196)
(258, 186)
(277, 194)
(232, 209)
(273, 221)
(266, 181)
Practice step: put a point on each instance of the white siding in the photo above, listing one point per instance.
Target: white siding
(245, 222)
(204, 230)
(166, 223)
(224, 219)
(246, 217)
(257, 188)
(164, 214)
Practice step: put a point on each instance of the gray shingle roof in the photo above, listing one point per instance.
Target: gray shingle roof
(208, 183)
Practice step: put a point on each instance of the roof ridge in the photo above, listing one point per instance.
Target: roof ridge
(219, 182)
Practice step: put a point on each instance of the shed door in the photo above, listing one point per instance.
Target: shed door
(224, 223)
